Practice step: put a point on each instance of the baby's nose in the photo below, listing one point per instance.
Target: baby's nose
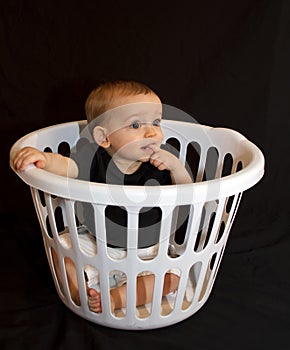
(149, 130)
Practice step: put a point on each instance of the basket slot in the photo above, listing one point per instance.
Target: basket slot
(190, 288)
(227, 167)
(193, 159)
(205, 225)
(76, 252)
(100, 229)
(64, 149)
(181, 222)
(174, 145)
(211, 163)
(166, 232)
(39, 204)
(208, 274)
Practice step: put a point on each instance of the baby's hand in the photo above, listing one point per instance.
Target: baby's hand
(29, 155)
(164, 160)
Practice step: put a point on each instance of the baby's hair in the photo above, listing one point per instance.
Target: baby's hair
(100, 99)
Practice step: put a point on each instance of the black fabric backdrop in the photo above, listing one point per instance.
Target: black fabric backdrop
(226, 63)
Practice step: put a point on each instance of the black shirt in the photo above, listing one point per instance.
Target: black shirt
(96, 165)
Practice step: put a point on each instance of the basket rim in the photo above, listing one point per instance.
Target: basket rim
(86, 191)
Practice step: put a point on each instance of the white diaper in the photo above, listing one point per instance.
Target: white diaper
(87, 243)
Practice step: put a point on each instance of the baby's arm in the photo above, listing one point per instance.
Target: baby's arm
(164, 160)
(52, 162)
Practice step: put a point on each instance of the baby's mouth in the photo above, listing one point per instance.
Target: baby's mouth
(148, 149)
(151, 147)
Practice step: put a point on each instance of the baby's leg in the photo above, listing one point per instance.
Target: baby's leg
(171, 282)
(88, 246)
(71, 276)
(145, 287)
(72, 280)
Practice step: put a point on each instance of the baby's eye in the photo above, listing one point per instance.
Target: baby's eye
(156, 122)
(135, 125)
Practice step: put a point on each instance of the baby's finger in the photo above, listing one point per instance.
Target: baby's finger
(18, 161)
(155, 148)
(161, 166)
(27, 159)
(23, 151)
(21, 163)
(155, 155)
(153, 160)
(20, 156)
(156, 162)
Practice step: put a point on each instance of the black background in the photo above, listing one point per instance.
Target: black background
(226, 63)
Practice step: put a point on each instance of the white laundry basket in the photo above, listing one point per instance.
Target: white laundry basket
(196, 220)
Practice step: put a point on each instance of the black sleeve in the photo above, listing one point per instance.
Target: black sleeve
(84, 156)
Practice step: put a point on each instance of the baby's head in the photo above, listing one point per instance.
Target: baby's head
(112, 94)
(124, 118)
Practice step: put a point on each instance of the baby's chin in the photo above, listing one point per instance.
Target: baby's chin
(144, 159)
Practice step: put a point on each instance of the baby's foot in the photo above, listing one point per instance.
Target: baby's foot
(94, 301)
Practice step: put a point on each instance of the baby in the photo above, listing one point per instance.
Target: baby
(124, 118)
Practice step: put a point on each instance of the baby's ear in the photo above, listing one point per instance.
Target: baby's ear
(100, 136)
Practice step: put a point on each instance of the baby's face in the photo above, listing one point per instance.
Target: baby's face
(134, 127)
